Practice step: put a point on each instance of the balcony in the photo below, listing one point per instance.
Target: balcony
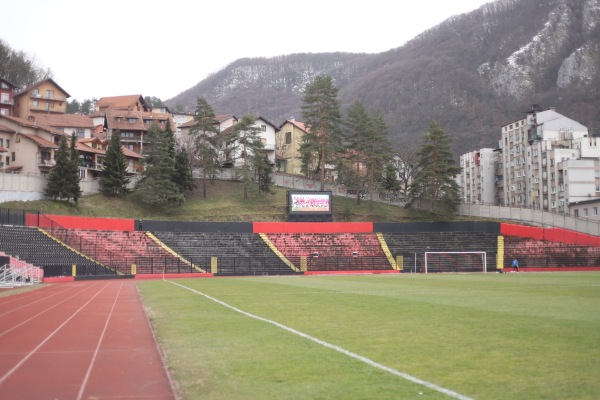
(9, 102)
(47, 163)
(48, 97)
(97, 166)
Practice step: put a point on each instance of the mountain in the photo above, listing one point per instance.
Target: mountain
(472, 73)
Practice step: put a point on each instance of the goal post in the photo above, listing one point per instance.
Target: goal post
(455, 261)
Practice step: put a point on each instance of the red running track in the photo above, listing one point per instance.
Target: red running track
(80, 340)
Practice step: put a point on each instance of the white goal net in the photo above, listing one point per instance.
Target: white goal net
(455, 261)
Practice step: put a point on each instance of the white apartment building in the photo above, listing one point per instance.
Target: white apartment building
(477, 179)
(547, 161)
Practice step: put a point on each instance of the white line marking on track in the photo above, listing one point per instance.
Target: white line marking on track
(93, 360)
(38, 314)
(32, 352)
(366, 360)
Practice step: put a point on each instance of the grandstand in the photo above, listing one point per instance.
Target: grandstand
(33, 246)
(87, 248)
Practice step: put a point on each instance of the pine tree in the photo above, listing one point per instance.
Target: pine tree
(265, 173)
(114, 179)
(356, 132)
(183, 176)
(156, 186)
(59, 184)
(322, 116)
(378, 150)
(246, 142)
(434, 184)
(206, 139)
(74, 189)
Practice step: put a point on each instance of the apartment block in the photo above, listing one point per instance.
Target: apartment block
(544, 160)
(478, 176)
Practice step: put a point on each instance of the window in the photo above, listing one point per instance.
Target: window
(126, 134)
(576, 213)
(4, 111)
(80, 133)
(585, 212)
(288, 138)
(8, 143)
(263, 128)
(132, 120)
(35, 103)
(595, 211)
(1, 142)
(13, 155)
(554, 204)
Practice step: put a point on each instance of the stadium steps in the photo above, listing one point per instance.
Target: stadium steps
(235, 253)
(175, 254)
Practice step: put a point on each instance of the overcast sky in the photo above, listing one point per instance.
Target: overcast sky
(161, 48)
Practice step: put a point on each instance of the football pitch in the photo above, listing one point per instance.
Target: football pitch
(400, 336)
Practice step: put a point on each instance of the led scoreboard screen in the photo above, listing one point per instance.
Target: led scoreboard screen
(309, 202)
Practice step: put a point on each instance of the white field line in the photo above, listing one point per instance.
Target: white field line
(367, 361)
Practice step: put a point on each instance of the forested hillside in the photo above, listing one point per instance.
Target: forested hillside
(472, 73)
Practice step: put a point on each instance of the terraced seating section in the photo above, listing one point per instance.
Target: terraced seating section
(545, 254)
(412, 247)
(236, 253)
(33, 246)
(332, 251)
(122, 249)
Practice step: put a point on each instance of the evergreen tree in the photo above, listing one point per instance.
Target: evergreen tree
(183, 175)
(205, 139)
(74, 188)
(265, 173)
(247, 143)
(390, 179)
(378, 151)
(355, 143)
(322, 116)
(434, 181)
(114, 179)
(157, 187)
(59, 177)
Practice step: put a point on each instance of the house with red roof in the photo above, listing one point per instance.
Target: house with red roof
(43, 97)
(7, 102)
(287, 142)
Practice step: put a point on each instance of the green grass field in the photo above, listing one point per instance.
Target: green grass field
(479, 336)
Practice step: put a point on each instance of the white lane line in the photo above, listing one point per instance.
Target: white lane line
(366, 360)
(38, 314)
(97, 350)
(32, 352)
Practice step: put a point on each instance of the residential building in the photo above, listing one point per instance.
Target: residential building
(43, 97)
(29, 147)
(232, 154)
(477, 179)
(532, 148)
(133, 126)
(132, 117)
(91, 158)
(134, 102)
(7, 102)
(287, 143)
(79, 125)
(267, 134)
(224, 125)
